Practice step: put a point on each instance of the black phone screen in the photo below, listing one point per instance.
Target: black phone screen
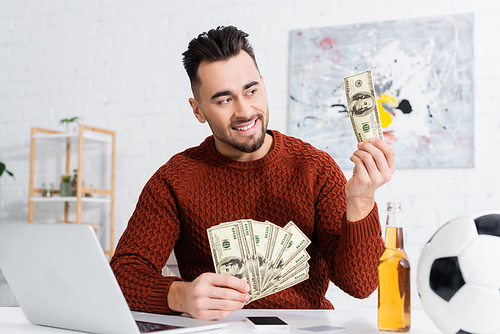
(265, 321)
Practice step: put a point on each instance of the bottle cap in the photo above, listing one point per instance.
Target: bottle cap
(394, 206)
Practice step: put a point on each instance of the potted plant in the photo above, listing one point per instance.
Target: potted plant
(64, 189)
(71, 124)
(3, 169)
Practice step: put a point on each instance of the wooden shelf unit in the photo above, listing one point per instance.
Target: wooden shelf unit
(85, 132)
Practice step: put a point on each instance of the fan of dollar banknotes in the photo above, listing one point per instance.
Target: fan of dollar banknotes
(268, 257)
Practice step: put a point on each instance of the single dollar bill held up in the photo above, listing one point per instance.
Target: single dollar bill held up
(362, 106)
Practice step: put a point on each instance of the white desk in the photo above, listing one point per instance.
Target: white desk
(13, 321)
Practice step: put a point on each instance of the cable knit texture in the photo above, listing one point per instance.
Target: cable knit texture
(200, 188)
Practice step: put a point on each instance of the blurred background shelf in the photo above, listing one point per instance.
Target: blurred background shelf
(97, 136)
(58, 199)
(71, 139)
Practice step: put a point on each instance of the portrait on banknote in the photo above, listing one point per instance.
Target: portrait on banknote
(362, 103)
(232, 265)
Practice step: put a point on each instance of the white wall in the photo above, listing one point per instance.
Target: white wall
(117, 64)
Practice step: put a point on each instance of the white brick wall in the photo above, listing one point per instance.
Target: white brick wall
(117, 64)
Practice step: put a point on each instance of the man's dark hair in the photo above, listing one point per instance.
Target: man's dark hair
(218, 44)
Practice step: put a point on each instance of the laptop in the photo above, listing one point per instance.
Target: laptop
(61, 278)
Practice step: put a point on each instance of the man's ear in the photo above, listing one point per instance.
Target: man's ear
(198, 113)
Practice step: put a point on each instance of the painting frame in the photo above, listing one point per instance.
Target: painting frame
(423, 74)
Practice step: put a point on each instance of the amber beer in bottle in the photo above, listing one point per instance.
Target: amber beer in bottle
(394, 309)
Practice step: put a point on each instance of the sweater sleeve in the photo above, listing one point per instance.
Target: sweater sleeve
(351, 249)
(145, 246)
(356, 258)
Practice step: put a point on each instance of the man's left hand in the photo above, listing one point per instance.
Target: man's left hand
(374, 164)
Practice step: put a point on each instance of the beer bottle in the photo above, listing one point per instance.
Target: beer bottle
(394, 309)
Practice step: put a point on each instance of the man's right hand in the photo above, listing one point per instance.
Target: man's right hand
(210, 296)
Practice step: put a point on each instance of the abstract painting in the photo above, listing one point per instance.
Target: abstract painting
(423, 74)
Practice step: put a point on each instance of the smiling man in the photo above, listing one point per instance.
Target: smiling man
(245, 171)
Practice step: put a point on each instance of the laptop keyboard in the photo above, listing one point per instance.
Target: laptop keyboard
(150, 327)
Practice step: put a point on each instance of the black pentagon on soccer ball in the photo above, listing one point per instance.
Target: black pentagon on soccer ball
(488, 224)
(446, 278)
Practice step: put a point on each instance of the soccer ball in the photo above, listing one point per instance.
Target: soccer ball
(458, 275)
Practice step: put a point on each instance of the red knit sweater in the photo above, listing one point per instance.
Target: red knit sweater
(200, 188)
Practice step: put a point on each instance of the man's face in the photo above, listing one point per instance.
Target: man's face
(232, 99)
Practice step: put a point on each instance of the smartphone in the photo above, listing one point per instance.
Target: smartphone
(267, 323)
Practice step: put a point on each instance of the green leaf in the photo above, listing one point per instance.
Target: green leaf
(69, 120)
(2, 169)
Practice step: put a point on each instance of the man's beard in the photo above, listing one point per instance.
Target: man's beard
(250, 146)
